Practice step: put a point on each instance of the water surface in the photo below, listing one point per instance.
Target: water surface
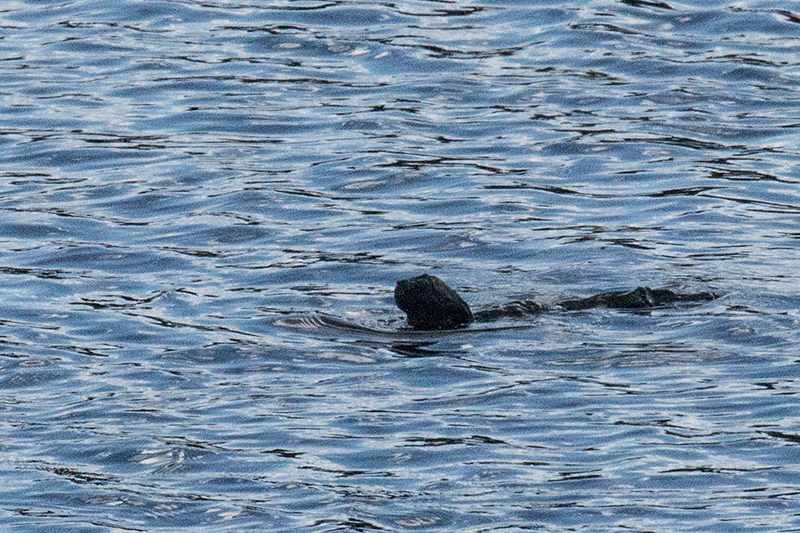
(187, 185)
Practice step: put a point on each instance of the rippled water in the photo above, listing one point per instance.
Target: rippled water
(187, 183)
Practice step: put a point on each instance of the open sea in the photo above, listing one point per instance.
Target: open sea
(197, 197)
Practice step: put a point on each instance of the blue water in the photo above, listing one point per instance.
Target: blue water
(186, 184)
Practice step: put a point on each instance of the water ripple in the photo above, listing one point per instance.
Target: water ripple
(206, 205)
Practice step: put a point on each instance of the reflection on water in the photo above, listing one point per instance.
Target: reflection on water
(206, 205)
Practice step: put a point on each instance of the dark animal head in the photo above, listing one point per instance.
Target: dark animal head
(430, 304)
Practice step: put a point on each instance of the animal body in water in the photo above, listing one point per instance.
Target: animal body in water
(430, 304)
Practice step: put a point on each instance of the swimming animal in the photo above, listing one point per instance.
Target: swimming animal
(430, 304)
